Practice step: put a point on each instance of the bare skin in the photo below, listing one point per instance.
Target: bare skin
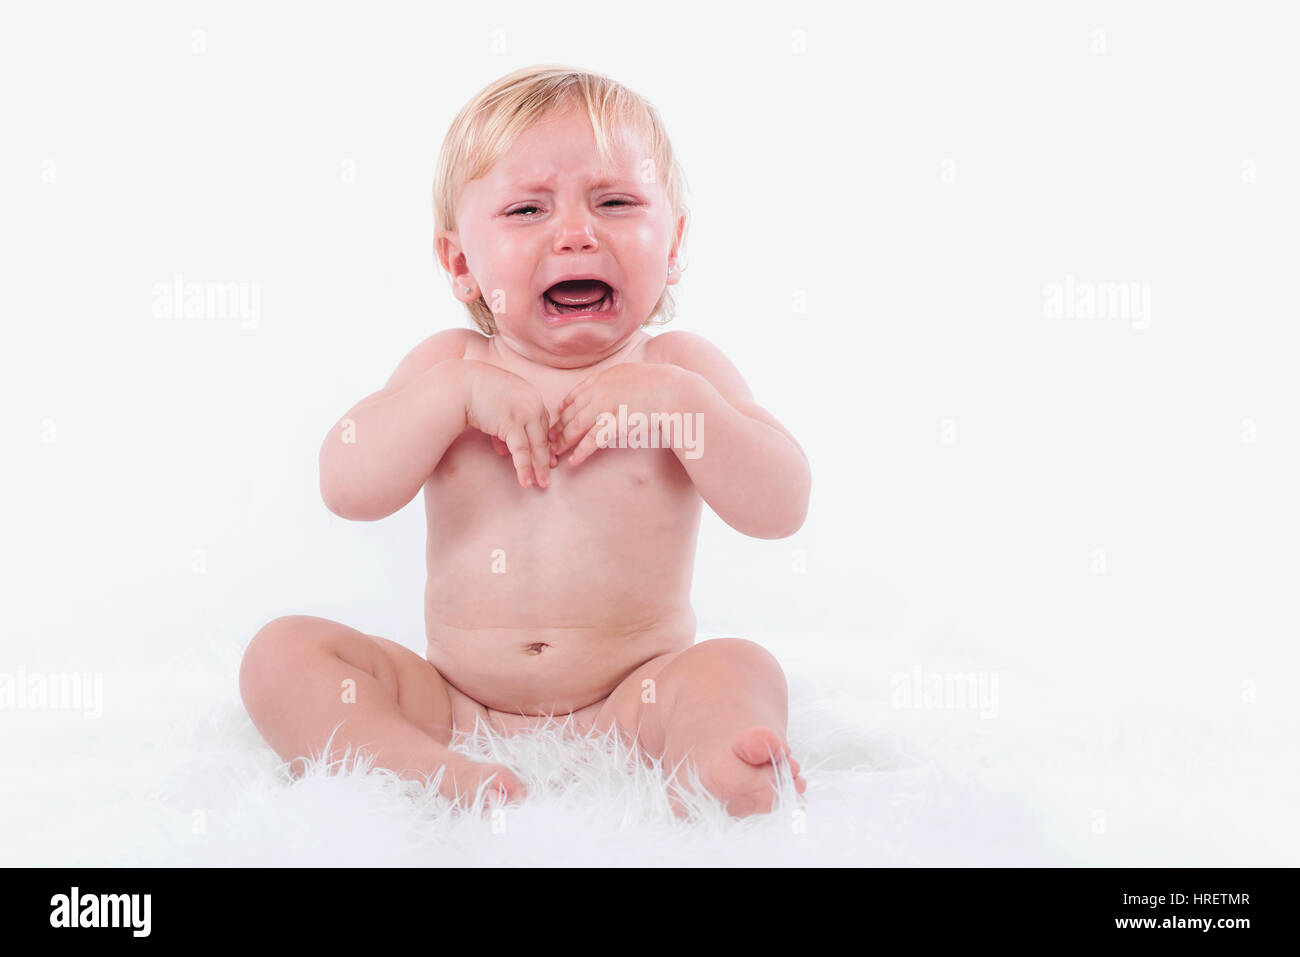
(559, 573)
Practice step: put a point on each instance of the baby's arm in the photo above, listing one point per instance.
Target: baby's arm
(378, 456)
(752, 472)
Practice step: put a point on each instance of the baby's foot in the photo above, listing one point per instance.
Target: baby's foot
(464, 780)
(741, 772)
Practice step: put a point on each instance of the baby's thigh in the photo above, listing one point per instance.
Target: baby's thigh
(422, 696)
(632, 706)
(301, 673)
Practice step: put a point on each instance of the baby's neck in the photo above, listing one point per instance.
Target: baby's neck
(511, 353)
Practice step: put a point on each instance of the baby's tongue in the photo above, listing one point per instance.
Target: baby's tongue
(578, 292)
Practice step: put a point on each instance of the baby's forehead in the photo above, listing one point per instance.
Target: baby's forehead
(547, 150)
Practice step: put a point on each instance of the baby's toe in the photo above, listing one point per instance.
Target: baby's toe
(504, 784)
(759, 746)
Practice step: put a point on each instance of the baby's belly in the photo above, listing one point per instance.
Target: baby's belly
(541, 602)
(541, 671)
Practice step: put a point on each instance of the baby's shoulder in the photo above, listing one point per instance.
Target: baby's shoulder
(447, 344)
(694, 353)
(679, 347)
(475, 344)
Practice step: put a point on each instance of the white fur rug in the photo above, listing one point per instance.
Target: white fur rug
(173, 773)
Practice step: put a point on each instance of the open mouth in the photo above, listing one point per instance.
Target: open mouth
(577, 296)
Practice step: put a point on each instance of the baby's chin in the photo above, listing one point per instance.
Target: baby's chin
(581, 338)
(573, 344)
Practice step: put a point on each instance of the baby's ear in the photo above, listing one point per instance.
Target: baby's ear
(446, 246)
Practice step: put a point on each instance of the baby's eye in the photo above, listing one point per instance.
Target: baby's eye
(523, 209)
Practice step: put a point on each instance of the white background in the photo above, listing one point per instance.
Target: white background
(1118, 506)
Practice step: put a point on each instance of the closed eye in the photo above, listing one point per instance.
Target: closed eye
(521, 209)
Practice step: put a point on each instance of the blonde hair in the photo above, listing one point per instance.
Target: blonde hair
(488, 125)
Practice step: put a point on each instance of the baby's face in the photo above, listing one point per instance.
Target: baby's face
(546, 211)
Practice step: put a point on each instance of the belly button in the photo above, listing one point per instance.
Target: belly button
(536, 648)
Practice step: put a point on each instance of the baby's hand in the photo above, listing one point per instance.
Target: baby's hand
(511, 411)
(645, 387)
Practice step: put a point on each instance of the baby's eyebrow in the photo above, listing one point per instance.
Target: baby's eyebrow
(544, 186)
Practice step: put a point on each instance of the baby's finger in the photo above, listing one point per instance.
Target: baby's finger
(501, 448)
(585, 448)
(575, 420)
(520, 452)
(573, 393)
(539, 449)
(569, 435)
(568, 409)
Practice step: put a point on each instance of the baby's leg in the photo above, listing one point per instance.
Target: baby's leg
(301, 677)
(721, 705)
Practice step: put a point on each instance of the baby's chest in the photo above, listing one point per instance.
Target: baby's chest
(625, 482)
